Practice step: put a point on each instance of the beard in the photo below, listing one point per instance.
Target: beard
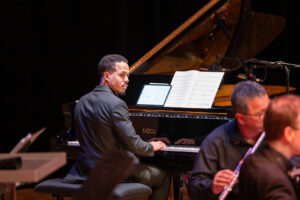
(120, 93)
(119, 90)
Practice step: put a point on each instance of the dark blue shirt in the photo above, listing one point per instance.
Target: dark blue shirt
(222, 149)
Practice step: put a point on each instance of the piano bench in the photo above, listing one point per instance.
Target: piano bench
(122, 191)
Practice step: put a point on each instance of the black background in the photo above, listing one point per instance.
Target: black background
(50, 50)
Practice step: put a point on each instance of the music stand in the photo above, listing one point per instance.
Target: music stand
(22, 146)
(26, 141)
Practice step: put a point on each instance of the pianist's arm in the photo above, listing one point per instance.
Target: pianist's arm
(125, 130)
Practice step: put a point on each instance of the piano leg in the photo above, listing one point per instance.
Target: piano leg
(177, 184)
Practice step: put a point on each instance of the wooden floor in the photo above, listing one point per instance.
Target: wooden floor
(28, 193)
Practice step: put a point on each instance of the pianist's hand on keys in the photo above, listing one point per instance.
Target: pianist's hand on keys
(181, 148)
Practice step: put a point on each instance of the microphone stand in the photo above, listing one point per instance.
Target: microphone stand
(287, 76)
(248, 71)
(277, 64)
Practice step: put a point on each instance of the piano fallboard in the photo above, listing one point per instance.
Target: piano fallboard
(176, 124)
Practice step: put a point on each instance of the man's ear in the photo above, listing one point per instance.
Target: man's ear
(240, 118)
(288, 134)
(106, 76)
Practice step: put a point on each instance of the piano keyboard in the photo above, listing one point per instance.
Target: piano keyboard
(181, 148)
(169, 148)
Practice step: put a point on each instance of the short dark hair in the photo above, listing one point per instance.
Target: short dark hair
(242, 92)
(282, 111)
(107, 63)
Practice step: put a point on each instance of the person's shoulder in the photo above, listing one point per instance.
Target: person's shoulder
(252, 167)
(114, 102)
(266, 176)
(218, 133)
(102, 97)
(257, 157)
(103, 94)
(259, 164)
(251, 160)
(295, 160)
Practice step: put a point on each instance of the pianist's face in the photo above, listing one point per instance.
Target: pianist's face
(118, 79)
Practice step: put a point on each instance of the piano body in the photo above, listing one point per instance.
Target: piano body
(218, 37)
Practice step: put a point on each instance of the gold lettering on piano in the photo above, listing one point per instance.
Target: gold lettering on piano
(150, 131)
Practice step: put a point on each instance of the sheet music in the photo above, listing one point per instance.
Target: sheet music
(194, 89)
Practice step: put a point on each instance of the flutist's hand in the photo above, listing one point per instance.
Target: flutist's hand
(221, 179)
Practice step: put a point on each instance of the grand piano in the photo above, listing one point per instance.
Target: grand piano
(221, 36)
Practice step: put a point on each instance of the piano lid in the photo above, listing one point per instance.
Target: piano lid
(196, 43)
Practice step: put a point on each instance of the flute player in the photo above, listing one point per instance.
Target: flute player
(224, 147)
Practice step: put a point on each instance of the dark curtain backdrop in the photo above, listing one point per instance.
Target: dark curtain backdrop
(50, 51)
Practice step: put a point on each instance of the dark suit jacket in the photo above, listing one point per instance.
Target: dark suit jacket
(102, 123)
(264, 175)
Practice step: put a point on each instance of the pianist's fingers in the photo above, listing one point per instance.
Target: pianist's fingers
(185, 141)
(158, 145)
(163, 139)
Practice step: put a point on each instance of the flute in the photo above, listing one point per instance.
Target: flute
(236, 172)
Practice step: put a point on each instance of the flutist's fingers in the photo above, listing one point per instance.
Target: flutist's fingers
(221, 179)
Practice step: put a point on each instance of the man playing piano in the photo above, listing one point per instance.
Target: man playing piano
(224, 147)
(102, 123)
(264, 175)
